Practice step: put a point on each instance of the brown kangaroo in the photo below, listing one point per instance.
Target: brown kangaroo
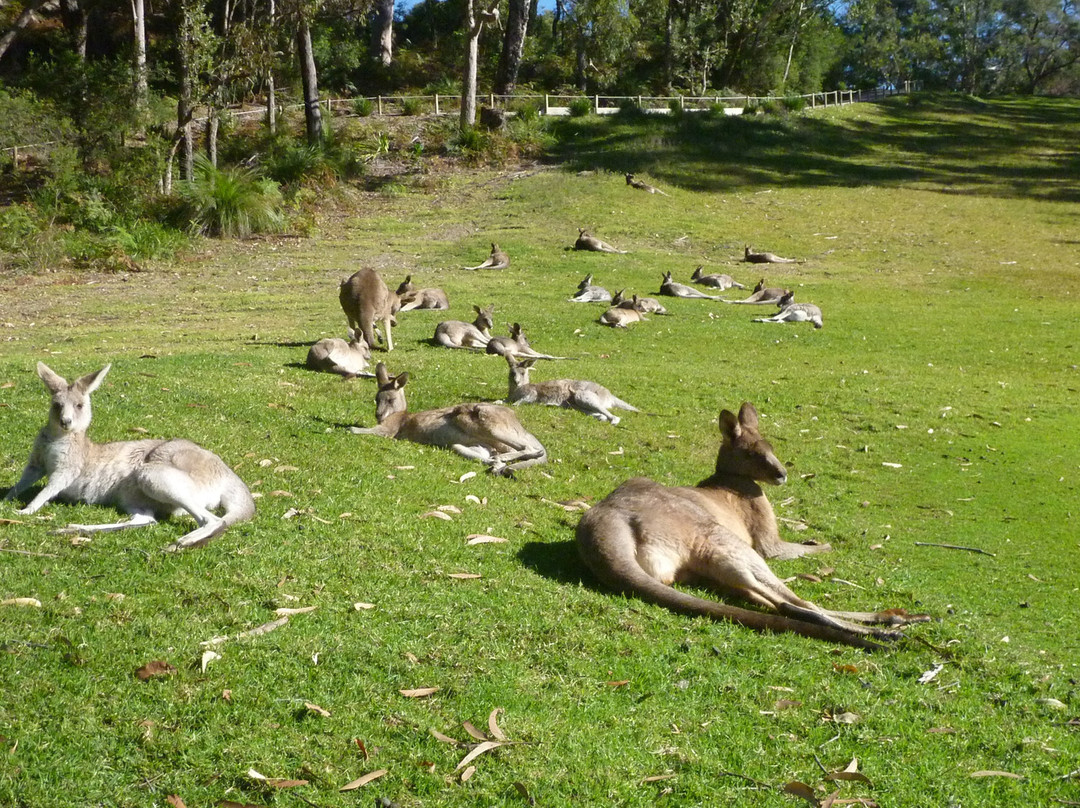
(763, 295)
(624, 314)
(497, 260)
(645, 536)
(794, 313)
(489, 433)
(593, 244)
(458, 334)
(366, 299)
(646, 305)
(515, 345)
(766, 257)
(643, 186)
(717, 281)
(431, 298)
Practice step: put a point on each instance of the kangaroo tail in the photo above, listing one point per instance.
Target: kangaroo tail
(238, 503)
(622, 405)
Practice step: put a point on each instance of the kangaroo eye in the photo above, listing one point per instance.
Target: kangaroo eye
(78, 406)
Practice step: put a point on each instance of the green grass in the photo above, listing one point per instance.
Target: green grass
(939, 240)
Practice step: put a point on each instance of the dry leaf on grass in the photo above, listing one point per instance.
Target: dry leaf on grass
(475, 499)
(473, 731)
(786, 704)
(618, 683)
(468, 475)
(10, 522)
(175, 801)
(847, 718)
(463, 576)
(997, 774)
(797, 789)
(207, 658)
(364, 780)
(656, 778)
(850, 773)
(477, 751)
(32, 602)
(154, 669)
(493, 726)
(437, 515)
(315, 708)
(469, 772)
(448, 508)
(280, 469)
(287, 612)
(444, 738)
(265, 628)
(931, 674)
(418, 692)
(483, 538)
(231, 804)
(361, 606)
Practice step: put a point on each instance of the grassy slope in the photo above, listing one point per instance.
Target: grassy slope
(940, 242)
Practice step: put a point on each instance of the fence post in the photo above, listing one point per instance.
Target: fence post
(436, 104)
(596, 104)
(378, 98)
(547, 106)
(639, 103)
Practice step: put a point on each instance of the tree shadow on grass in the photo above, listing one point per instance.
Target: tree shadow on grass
(1021, 148)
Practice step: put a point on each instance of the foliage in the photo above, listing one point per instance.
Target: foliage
(580, 107)
(26, 118)
(232, 201)
(363, 107)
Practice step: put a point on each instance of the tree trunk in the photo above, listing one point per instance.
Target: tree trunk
(271, 90)
(187, 82)
(309, 77)
(142, 88)
(28, 14)
(556, 18)
(517, 25)
(213, 122)
(468, 80)
(669, 47)
(384, 27)
(791, 47)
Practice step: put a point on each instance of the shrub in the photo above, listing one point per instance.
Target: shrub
(580, 107)
(290, 163)
(233, 201)
(411, 105)
(471, 142)
(793, 103)
(528, 113)
(363, 107)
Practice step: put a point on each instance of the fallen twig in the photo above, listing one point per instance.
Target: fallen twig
(27, 552)
(955, 547)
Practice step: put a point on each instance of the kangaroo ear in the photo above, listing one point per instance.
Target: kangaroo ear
(729, 426)
(54, 382)
(478, 310)
(400, 380)
(91, 381)
(748, 415)
(381, 375)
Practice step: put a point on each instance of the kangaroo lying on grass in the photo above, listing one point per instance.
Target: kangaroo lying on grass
(145, 478)
(489, 433)
(366, 300)
(646, 305)
(645, 536)
(720, 282)
(675, 289)
(584, 396)
(515, 345)
(412, 298)
(333, 355)
(794, 313)
(593, 244)
(458, 334)
(763, 295)
(587, 293)
(766, 257)
(623, 315)
(642, 186)
(497, 260)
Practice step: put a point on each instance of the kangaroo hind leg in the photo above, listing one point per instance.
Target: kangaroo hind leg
(176, 489)
(139, 518)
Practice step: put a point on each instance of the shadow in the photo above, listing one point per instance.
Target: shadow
(953, 143)
(558, 561)
(306, 344)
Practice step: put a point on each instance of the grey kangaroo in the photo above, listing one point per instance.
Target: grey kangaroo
(584, 396)
(717, 281)
(366, 300)
(147, 479)
(593, 244)
(645, 536)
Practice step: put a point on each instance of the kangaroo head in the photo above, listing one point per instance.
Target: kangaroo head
(760, 285)
(746, 250)
(786, 298)
(70, 410)
(390, 397)
(406, 286)
(494, 247)
(485, 318)
(629, 178)
(618, 298)
(357, 341)
(581, 232)
(586, 281)
(519, 370)
(744, 452)
(667, 277)
(697, 273)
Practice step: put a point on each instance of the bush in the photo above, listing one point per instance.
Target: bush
(363, 107)
(527, 113)
(233, 201)
(411, 105)
(794, 103)
(580, 107)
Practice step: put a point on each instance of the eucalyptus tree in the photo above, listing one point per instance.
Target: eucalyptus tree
(517, 24)
(1040, 44)
(475, 20)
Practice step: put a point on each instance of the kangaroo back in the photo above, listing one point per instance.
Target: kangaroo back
(366, 300)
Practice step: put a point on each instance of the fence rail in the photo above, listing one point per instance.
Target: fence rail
(548, 104)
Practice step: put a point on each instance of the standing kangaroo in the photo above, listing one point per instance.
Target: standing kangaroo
(645, 536)
(584, 396)
(593, 244)
(147, 479)
(642, 186)
(719, 281)
(766, 257)
(412, 298)
(794, 313)
(515, 345)
(497, 260)
(458, 334)
(624, 314)
(366, 300)
(587, 293)
(763, 295)
(489, 433)
(333, 355)
(675, 289)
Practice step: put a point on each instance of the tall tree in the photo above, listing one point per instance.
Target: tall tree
(310, 80)
(142, 84)
(384, 29)
(474, 25)
(517, 25)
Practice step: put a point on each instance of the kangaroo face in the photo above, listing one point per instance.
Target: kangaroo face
(390, 398)
(745, 452)
(70, 409)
